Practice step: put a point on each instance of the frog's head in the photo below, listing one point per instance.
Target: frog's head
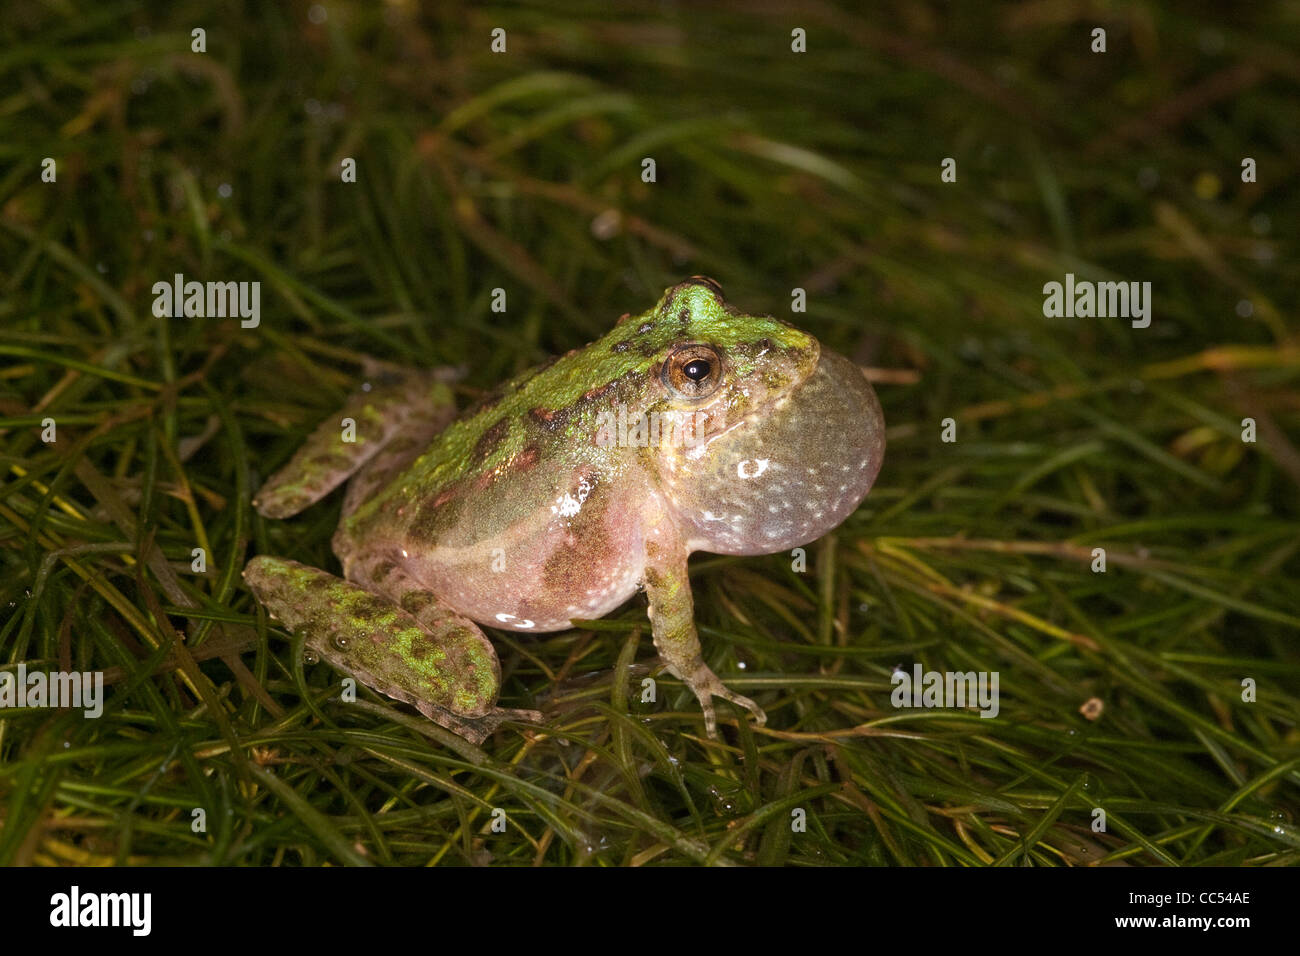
(769, 440)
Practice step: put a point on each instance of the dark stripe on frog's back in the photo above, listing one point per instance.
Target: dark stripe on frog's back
(490, 441)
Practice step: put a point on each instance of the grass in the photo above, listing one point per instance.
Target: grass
(775, 170)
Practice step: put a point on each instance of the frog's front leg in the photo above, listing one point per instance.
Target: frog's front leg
(415, 651)
(672, 619)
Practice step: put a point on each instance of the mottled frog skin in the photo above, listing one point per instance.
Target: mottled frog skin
(540, 505)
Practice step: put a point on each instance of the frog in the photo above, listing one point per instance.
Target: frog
(563, 494)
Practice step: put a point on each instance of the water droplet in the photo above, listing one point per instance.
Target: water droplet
(310, 657)
(1207, 186)
(606, 224)
(342, 641)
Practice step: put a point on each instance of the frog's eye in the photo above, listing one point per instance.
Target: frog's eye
(693, 371)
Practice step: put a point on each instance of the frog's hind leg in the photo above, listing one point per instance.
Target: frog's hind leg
(390, 578)
(414, 436)
(395, 414)
(411, 649)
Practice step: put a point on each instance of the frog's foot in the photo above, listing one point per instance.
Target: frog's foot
(478, 729)
(440, 663)
(706, 685)
(396, 413)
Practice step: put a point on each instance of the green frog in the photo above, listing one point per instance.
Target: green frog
(691, 427)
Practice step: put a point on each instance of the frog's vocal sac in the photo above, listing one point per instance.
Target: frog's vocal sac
(521, 514)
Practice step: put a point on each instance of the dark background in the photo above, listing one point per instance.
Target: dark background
(775, 171)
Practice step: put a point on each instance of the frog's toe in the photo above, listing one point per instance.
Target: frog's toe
(760, 716)
(478, 729)
(706, 686)
(710, 718)
(740, 700)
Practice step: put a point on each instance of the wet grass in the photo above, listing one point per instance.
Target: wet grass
(522, 171)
